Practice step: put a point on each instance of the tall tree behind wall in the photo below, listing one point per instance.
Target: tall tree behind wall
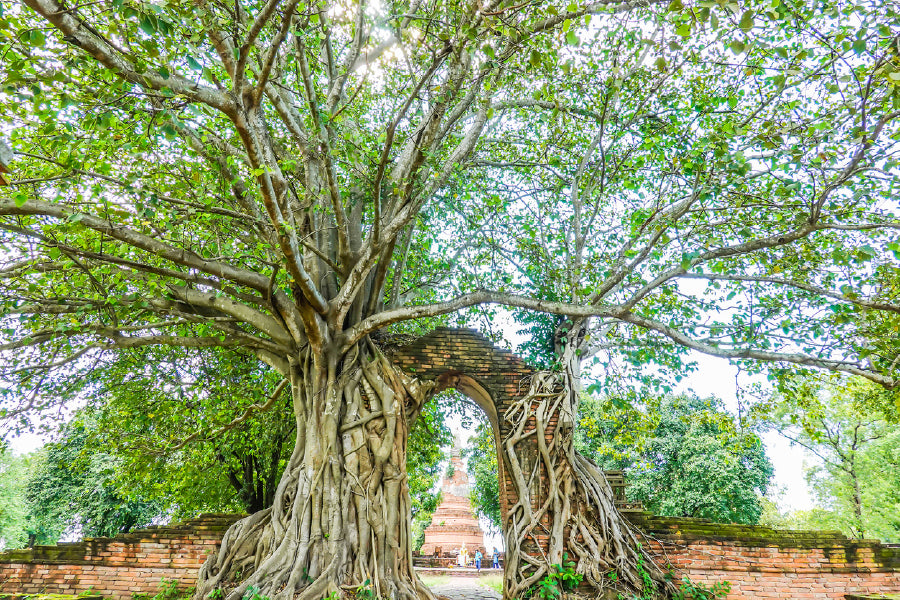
(850, 428)
(683, 456)
(13, 511)
(75, 487)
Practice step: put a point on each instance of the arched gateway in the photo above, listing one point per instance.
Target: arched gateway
(465, 360)
(553, 503)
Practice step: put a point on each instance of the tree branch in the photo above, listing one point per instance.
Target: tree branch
(82, 35)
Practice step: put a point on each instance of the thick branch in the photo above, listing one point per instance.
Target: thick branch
(84, 36)
(138, 240)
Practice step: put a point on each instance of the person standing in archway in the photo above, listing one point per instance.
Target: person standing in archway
(496, 559)
(478, 557)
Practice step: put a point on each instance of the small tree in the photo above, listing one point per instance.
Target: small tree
(850, 428)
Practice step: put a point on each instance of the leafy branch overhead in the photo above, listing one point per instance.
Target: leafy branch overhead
(715, 176)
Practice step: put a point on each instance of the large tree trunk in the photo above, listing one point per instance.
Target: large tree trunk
(341, 514)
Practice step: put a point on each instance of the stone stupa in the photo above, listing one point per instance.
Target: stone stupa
(454, 523)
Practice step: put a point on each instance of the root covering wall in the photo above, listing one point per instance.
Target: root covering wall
(757, 561)
(120, 567)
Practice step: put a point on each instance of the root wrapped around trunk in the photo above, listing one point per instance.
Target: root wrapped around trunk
(565, 504)
(341, 514)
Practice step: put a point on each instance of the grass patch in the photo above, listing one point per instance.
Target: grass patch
(493, 581)
(434, 580)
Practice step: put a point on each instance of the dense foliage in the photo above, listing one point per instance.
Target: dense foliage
(683, 456)
(75, 488)
(732, 150)
(13, 475)
(199, 432)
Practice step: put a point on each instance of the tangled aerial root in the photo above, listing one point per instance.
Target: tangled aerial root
(565, 503)
(341, 514)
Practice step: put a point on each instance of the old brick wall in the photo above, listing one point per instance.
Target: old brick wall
(757, 561)
(760, 562)
(119, 567)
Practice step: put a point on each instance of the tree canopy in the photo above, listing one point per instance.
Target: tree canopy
(12, 504)
(683, 456)
(714, 177)
(850, 429)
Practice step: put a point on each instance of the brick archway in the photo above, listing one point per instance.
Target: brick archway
(465, 360)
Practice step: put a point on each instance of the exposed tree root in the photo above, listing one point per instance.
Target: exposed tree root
(342, 510)
(565, 503)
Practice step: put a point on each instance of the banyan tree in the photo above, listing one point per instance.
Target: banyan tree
(298, 181)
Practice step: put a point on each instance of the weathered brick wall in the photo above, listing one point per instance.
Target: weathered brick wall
(757, 561)
(765, 563)
(119, 567)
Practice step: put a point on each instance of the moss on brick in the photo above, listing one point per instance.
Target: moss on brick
(688, 529)
(888, 557)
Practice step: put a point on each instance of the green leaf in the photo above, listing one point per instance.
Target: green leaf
(36, 38)
(737, 46)
(571, 38)
(746, 23)
(192, 63)
(147, 25)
